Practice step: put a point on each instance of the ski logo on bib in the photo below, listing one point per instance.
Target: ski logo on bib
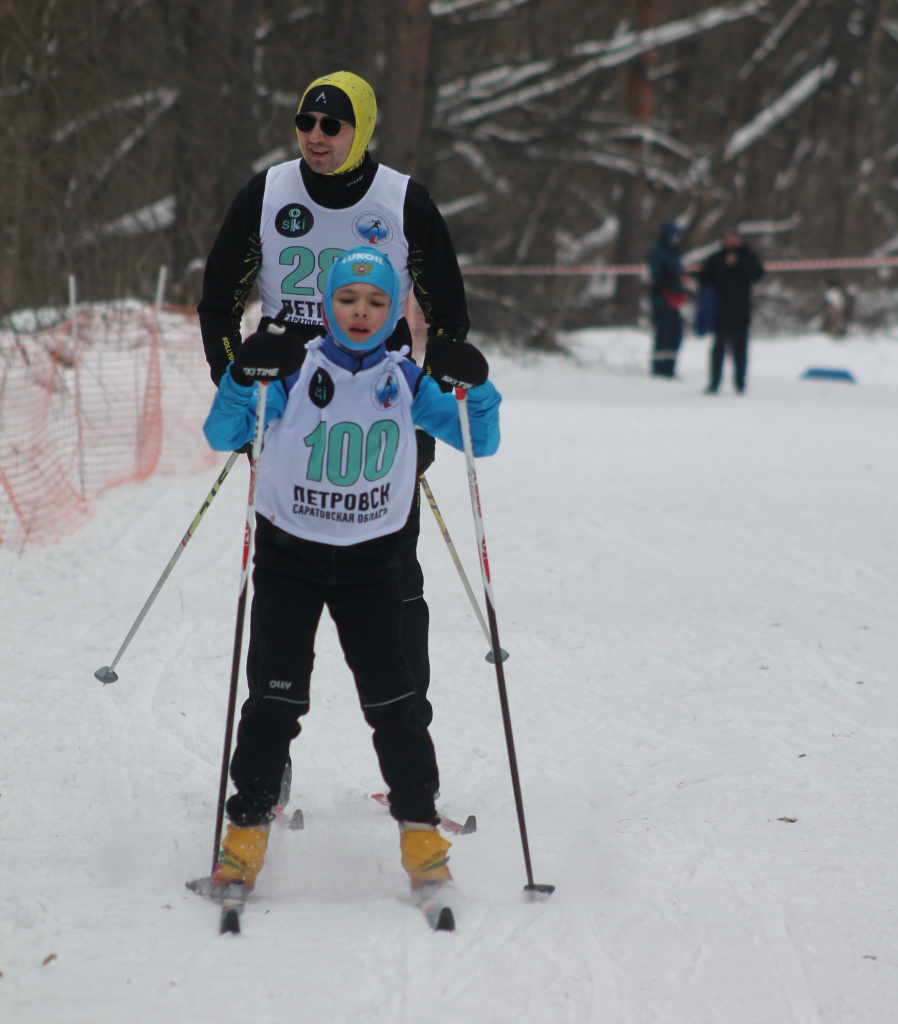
(293, 220)
(385, 391)
(373, 228)
(321, 388)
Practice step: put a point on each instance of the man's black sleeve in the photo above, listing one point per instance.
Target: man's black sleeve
(231, 269)
(705, 272)
(433, 266)
(755, 269)
(714, 270)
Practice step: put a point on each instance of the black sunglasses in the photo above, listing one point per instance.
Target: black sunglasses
(329, 125)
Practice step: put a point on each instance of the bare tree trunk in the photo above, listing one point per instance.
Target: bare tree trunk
(216, 140)
(404, 89)
(865, 151)
(19, 127)
(346, 41)
(631, 242)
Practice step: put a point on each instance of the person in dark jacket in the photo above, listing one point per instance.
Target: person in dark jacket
(283, 231)
(668, 295)
(730, 272)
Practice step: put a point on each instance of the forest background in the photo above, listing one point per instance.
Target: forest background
(550, 133)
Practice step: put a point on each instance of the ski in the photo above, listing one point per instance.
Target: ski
(295, 822)
(436, 912)
(232, 898)
(232, 903)
(446, 824)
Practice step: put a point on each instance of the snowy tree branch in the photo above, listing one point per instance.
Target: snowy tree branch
(487, 84)
(642, 132)
(626, 45)
(773, 39)
(155, 217)
(157, 100)
(616, 162)
(164, 97)
(496, 8)
(607, 54)
(756, 129)
(475, 159)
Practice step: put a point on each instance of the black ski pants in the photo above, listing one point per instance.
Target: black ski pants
(668, 337)
(736, 340)
(415, 613)
(293, 581)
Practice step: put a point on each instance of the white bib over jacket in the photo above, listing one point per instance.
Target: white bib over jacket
(300, 239)
(339, 467)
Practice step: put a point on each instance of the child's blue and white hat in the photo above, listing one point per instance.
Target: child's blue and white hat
(363, 265)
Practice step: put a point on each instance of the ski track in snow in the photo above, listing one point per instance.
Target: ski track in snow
(698, 595)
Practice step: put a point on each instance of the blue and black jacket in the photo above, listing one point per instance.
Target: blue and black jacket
(231, 421)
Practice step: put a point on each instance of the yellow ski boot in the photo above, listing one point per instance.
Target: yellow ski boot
(425, 854)
(241, 856)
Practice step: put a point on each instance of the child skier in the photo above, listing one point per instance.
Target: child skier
(336, 481)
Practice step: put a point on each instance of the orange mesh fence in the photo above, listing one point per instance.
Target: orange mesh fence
(112, 395)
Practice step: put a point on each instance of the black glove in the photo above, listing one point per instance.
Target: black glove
(455, 364)
(271, 354)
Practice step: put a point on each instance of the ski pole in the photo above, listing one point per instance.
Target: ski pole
(248, 534)
(461, 572)
(107, 673)
(461, 398)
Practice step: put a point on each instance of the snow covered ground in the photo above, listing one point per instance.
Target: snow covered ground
(699, 596)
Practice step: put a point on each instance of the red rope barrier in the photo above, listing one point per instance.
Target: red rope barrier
(621, 269)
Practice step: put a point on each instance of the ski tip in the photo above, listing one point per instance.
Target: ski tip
(535, 891)
(446, 921)
(230, 921)
(469, 826)
(206, 887)
(429, 897)
(297, 822)
(503, 656)
(106, 675)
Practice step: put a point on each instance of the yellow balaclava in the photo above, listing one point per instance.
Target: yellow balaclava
(364, 106)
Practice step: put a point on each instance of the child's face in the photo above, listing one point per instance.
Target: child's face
(360, 310)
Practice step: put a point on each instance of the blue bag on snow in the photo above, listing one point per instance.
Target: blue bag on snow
(705, 310)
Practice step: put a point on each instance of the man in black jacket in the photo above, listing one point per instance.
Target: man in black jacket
(284, 230)
(731, 271)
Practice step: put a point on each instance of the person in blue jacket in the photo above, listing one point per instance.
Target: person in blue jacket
(668, 295)
(337, 476)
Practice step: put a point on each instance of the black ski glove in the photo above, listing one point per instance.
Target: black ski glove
(455, 364)
(271, 354)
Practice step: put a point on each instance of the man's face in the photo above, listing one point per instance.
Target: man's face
(325, 153)
(732, 241)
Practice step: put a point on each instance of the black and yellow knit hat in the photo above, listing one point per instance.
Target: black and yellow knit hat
(350, 98)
